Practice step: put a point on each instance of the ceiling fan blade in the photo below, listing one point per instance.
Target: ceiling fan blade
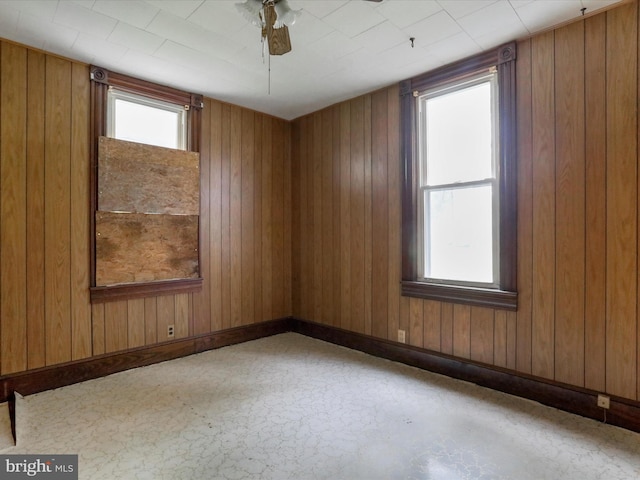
(278, 38)
(279, 41)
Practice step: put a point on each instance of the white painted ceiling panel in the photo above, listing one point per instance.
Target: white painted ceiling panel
(124, 34)
(498, 15)
(354, 18)
(137, 13)
(335, 45)
(381, 37)
(31, 27)
(433, 29)
(38, 8)
(535, 15)
(93, 49)
(461, 8)
(403, 13)
(180, 8)
(319, 9)
(84, 20)
(341, 48)
(222, 18)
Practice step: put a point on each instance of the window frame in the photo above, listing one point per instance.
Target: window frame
(505, 296)
(425, 187)
(101, 80)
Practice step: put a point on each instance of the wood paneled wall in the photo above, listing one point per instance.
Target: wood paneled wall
(45, 314)
(577, 321)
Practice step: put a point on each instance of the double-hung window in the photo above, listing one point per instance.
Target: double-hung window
(459, 190)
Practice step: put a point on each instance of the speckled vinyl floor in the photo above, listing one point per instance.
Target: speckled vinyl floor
(290, 407)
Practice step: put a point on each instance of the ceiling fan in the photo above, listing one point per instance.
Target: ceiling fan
(274, 17)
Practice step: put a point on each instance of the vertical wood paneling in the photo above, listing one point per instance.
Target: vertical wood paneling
(306, 223)
(218, 217)
(287, 249)
(202, 299)
(326, 165)
(182, 314)
(57, 208)
(225, 215)
(315, 183)
(116, 327)
(393, 200)
(544, 218)
(166, 315)
(235, 217)
(367, 215)
(462, 331)
(525, 207)
(512, 327)
(13, 202)
(246, 280)
(357, 206)
(278, 218)
(258, 313)
(337, 223)
(416, 322)
(500, 338)
(296, 218)
(380, 215)
(446, 329)
(97, 328)
(482, 333)
(135, 323)
(570, 204)
(345, 214)
(404, 319)
(80, 214)
(150, 321)
(35, 208)
(267, 218)
(432, 321)
(622, 201)
(595, 179)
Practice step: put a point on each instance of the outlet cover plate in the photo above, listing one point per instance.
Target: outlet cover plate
(603, 401)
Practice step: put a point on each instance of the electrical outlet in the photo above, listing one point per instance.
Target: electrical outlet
(170, 331)
(401, 336)
(603, 401)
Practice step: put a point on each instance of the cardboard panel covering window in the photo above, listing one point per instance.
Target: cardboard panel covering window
(147, 216)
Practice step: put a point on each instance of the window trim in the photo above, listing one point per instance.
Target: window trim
(503, 59)
(101, 80)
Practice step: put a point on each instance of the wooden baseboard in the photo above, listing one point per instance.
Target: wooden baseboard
(622, 412)
(47, 378)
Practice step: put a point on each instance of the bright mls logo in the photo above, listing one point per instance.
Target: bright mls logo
(51, 467)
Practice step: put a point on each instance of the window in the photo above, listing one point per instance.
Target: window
(144, 187)
(459, 216)
(145, 120)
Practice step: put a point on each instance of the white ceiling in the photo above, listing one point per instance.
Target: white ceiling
(341, 48)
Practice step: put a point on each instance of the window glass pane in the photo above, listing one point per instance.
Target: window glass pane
(146, 124)
(459, 136)
(458, 234)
